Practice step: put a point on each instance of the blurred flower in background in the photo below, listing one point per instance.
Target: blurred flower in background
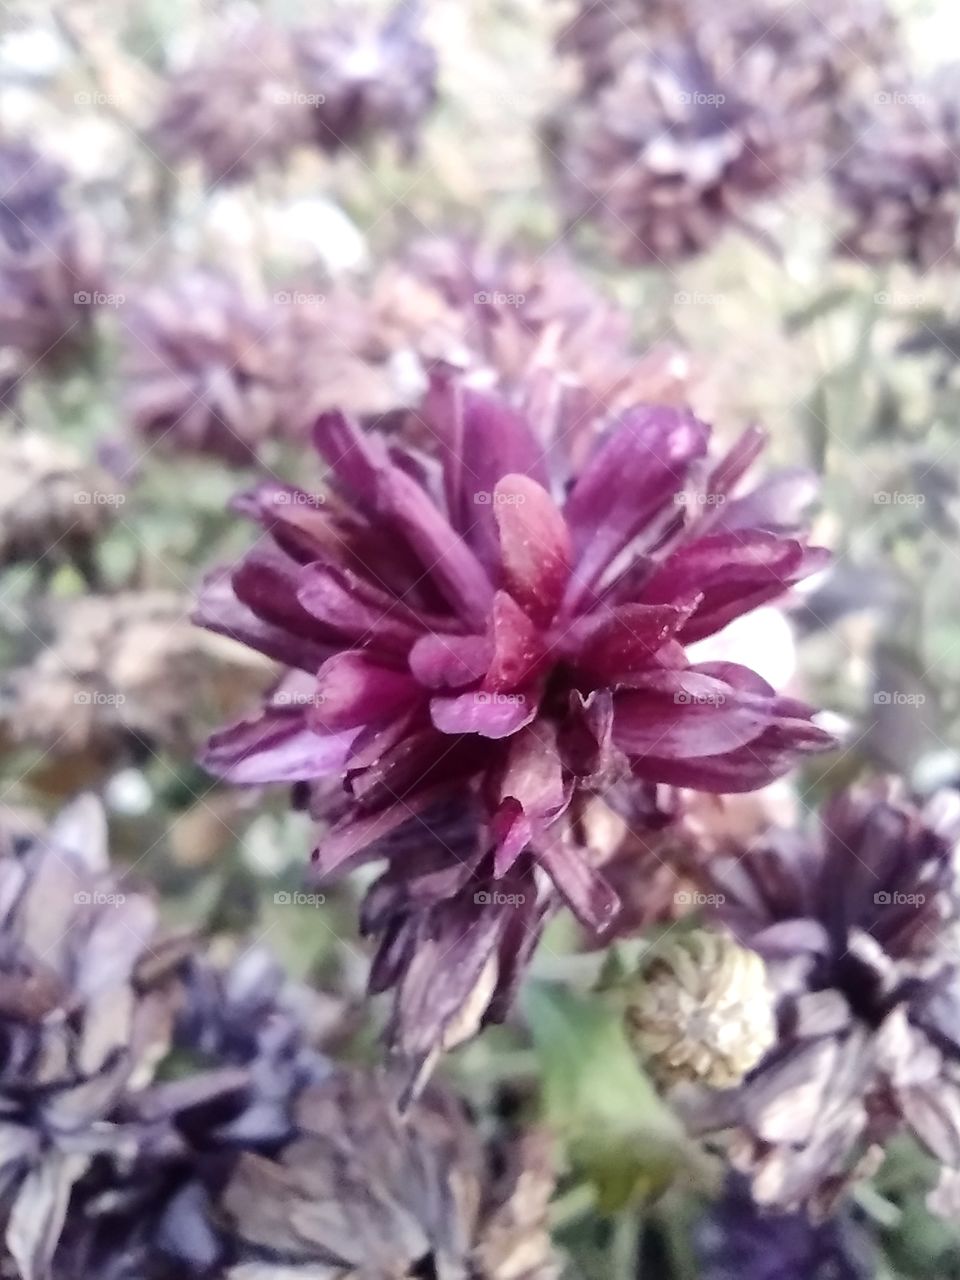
(204, 368)
(51, 267)
(900, 181)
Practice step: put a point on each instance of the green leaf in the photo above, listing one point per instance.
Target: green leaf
(600, 1104)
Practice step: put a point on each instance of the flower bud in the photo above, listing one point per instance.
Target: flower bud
(700, 1011)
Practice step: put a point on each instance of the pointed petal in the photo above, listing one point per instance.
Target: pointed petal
(275, 747)
(354, 691)
(518, 650)
(534, 546)
(634, 473)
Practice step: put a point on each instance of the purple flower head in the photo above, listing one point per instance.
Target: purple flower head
(856, 922)
(478, 627)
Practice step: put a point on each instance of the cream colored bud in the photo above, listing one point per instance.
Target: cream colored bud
(700, 1011)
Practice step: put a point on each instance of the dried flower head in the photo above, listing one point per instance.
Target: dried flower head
(51, 268)
(856, 927)
(678, 146)
(120, 674)
(204, 368)
(527, 325)
(53, 505)
(827, 42)
(690, 114)
(477, 629)
(701, 1010)
(898, 185)
(366, 77)
(421, 1198)
(237, 106)
(737, 1240)
(77, 1031)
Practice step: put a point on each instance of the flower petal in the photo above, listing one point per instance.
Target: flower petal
(735, 572)
(518, 651)
(635, 472)
(354, 691)
(608, 646)
(584, 889)
(448, 661)
(275, 747)
(492, 715)
(534, 546)
(482, 439)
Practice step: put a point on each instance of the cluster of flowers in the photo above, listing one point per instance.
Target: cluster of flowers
(265, 90)
(166, 1115)
(687, 116)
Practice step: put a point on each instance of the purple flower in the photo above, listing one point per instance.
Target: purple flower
(856, 923)
(477, 627)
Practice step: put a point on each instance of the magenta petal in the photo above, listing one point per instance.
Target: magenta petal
(734, 572)
(634, 473)
(768, 757)
(443, 661)
(482, 439)
(735, 463)
(355, 458)
(688, 715)
(347, 843)
(611, 645)
(776, 504)
(297, 520)
(492, 715)
(276, 747)
(353, 690)
(218, 609)
(512, 832)
(534, 546)
(356, 610)
(445, 557)
(517, 646)
(362, 465)
(266, 581)
(533, 773)
(532, 791)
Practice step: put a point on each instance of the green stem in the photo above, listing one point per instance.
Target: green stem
(625, 1246)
